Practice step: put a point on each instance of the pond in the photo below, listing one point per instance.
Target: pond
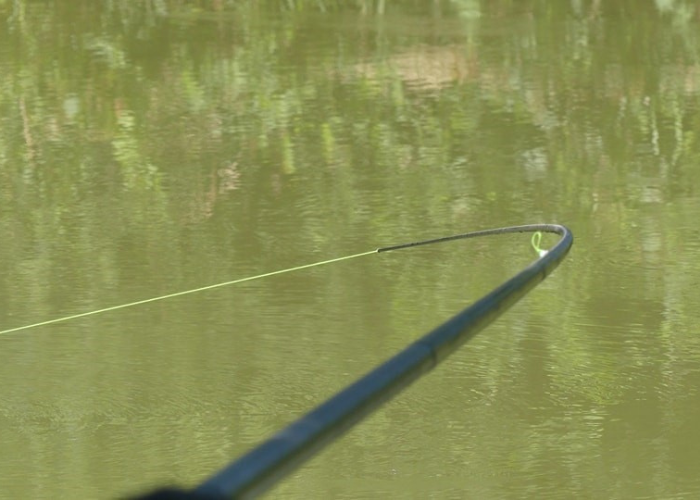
(161, 146)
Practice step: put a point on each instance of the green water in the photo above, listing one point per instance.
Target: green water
(152, 147)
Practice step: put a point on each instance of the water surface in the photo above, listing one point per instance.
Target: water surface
(152, 148)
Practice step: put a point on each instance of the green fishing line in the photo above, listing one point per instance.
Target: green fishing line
(535, 241)
(186, 292)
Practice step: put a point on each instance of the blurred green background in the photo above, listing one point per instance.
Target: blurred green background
(156, 146)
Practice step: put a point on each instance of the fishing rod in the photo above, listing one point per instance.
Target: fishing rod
(262, 467)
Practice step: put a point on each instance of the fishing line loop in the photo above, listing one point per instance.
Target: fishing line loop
(535, 241)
